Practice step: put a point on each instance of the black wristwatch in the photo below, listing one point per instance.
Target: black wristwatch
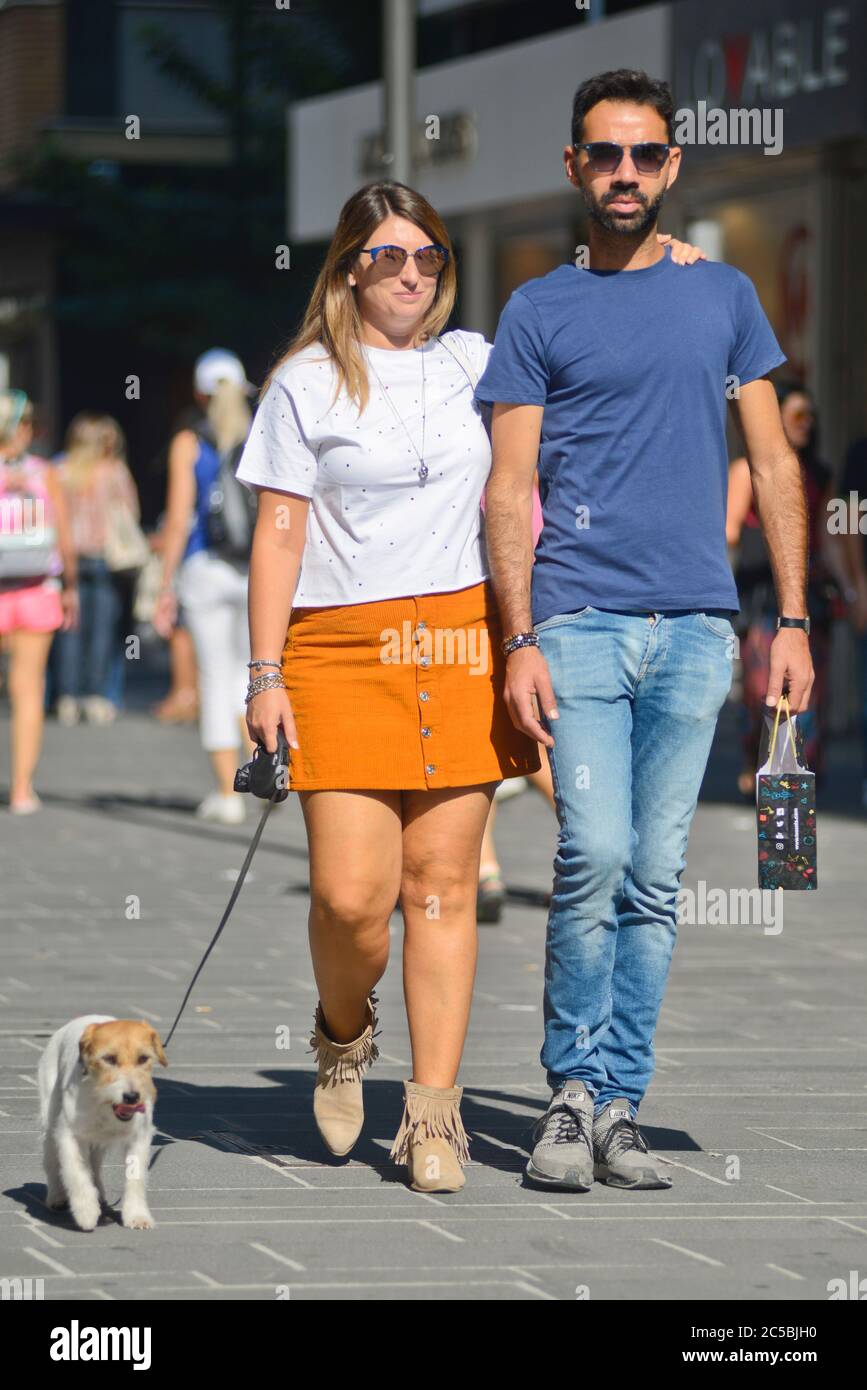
(794, 622)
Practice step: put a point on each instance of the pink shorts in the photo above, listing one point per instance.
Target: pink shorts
(35, 608)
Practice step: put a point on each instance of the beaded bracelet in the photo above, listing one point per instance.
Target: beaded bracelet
(520, 639)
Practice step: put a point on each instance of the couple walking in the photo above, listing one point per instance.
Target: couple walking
(370, 451)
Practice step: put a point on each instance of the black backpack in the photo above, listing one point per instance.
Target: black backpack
(231, 512)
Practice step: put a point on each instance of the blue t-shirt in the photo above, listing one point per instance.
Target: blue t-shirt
(632, 368)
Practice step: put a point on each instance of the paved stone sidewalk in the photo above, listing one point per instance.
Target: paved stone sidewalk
(758, 1099)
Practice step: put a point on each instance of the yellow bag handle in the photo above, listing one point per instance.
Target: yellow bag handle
(783, 700)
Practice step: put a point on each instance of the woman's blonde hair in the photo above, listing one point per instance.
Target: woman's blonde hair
(229, 414)
(332, 319)
(90, 438)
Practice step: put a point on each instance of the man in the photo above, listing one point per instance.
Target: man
(621, 372)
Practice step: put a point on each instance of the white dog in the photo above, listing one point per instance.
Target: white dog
(96, 1089)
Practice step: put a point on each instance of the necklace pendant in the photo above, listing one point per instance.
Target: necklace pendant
(423, 472)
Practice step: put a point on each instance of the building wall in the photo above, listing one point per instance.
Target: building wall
(31, 74)
(518, 99)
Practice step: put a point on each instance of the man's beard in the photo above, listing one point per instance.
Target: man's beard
(625, 226)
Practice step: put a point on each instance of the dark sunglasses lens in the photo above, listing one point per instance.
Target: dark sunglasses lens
(431, 261)
(391, 257)
(649, 158)
(604, 158)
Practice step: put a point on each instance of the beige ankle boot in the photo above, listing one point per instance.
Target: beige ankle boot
(338, 1107)
(431, 1140)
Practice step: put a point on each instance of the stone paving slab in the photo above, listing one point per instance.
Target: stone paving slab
(758, 1100)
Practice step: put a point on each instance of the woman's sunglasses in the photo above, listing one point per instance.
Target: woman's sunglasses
(604, 156)
(430, 260)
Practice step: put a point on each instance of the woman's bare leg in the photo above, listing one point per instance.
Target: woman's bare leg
(442, 838)
(489, 865)
(488, 862)
(541, 781)
(28, 657)
(355, 855)
(181, 702)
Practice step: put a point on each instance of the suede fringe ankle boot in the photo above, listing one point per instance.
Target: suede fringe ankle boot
(338, 1107)
(432, 1141)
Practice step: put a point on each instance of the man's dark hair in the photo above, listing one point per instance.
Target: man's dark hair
(623, 84)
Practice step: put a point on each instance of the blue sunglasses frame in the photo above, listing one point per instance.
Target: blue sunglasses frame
(373, 252)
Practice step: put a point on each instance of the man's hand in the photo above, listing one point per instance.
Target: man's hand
(165, 615)
(857, 613)
(69, 602)
(791, 663)
(682, 252)
(527, 675)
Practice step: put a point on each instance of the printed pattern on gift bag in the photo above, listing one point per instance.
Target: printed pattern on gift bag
(785, 808)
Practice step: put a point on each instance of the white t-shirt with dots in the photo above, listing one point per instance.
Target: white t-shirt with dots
(374, 531)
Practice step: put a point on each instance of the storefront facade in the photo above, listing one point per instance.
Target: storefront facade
(500, 182)
(792, 220)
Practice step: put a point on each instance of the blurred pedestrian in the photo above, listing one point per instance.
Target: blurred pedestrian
(757, 624)
(36, 555)
(210, 560)
(855, 547)
(180, 705)
(96, 481)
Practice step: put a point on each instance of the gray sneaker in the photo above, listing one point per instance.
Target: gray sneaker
(622, 1158)
(563, 1138)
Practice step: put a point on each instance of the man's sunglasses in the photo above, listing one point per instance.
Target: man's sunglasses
(430, 260)
(604, 156)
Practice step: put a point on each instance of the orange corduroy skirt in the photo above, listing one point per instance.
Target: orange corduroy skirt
(402, 693)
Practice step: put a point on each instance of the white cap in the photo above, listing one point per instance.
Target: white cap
(220, 365)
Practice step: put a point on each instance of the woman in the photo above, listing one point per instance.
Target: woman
(370, 456)
(95, 476)
(212, 579)
(36, 551)
(755, 581)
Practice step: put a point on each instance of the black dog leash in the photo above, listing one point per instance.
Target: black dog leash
(266, 776)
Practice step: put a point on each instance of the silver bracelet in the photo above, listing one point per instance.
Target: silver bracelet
(257, 664)
(273, 680)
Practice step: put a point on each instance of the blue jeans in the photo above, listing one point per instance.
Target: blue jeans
(638, 697)
(84, 655)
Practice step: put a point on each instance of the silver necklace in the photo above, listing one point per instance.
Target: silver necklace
(423, 469)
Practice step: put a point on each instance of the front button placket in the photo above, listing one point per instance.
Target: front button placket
(426, 692)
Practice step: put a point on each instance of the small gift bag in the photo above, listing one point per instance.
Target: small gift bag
(785, 807)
